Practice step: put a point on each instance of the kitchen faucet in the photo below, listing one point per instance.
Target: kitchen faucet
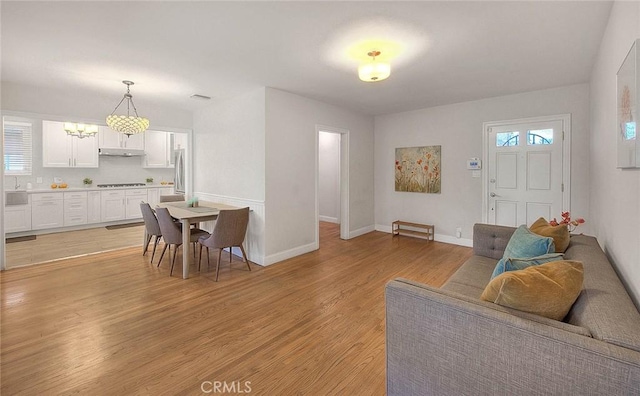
(17, 185)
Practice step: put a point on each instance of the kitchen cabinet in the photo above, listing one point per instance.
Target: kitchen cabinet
(75, 208)
(112, 205)
(133, 198)
(93, 207)
(47, 211)
(153, 194)
(17, 218)
(108, 138)
(158, 149)
(60, 150)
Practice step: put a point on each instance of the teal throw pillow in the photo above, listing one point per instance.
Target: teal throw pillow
(514, 264)
(524, 243)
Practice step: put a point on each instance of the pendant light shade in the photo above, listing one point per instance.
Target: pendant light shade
(127, 124)
(374, 70)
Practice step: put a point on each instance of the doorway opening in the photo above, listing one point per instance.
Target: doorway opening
(332, 178)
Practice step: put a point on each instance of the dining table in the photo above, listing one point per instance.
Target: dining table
(187, 215)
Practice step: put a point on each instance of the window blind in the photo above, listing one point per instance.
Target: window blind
(17, 148)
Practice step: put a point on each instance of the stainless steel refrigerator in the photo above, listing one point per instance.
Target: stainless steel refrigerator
(178, 181)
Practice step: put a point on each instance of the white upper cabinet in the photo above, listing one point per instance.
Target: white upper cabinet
(60, 150)
(110, 139)
(157, 149)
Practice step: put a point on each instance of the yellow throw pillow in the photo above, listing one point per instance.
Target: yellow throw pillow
(559, 233)
(547, 290)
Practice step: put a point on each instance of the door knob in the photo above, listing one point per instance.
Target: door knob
(493, 195)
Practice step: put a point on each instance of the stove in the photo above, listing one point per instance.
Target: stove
(122, 185)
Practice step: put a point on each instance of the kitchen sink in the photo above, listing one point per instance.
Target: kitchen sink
(18, 197)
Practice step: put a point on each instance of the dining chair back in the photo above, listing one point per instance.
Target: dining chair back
(172, 235)
(172, 198)
(152, 228)
(230, 231)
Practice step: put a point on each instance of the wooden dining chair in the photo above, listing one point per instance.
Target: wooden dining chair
(172, 235)
(229, 232)
(172, 198)
(151, 227)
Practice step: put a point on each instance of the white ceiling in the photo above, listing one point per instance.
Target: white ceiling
(441, 52)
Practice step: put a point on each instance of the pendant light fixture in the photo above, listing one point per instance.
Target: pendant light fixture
(374, 70)
(127, 124)
(80, 130)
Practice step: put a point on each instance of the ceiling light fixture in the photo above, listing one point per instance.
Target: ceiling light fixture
(80, 130)
(129, 125)
(374, 70)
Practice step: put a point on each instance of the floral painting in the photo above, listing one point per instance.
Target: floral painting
(417, 169)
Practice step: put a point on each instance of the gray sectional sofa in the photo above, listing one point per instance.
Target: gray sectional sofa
(448, 342)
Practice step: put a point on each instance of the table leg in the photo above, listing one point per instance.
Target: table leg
(186, 241)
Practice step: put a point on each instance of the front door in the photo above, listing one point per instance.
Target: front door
(525, 172)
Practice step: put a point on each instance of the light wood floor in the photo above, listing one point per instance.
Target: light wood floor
(59, 245)
(115, 324)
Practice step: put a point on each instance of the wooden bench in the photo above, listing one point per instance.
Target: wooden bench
(427, 230)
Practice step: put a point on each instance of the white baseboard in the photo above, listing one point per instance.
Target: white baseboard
(438, 237)
(287, 254)
(361, 231)
(328, 219)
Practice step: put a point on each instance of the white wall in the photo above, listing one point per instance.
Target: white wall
(229, 160)
(229, 147)
(290, 170)
(329, 177)
(615, 193)
(458, 129)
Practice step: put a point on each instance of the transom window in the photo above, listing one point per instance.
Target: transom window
(540, 136)
(505, 139)
(17, 148)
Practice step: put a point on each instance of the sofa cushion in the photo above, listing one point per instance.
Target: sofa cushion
(604, 306)
(547, 290)
(524, 243)
(559, 233)
(471, 279)
(514, 264)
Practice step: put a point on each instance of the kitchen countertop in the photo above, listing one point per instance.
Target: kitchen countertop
(92, 188)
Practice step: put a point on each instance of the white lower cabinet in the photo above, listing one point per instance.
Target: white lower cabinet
(112, 205)
(133, 200)
(93, 207)
(75, 208)
(153, 196)
(47, 211)
(17, 218)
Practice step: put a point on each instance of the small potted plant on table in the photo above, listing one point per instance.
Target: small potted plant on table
(87, 182)
(149, 180)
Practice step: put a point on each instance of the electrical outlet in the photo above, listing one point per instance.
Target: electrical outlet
(39, 179)
(459, 232)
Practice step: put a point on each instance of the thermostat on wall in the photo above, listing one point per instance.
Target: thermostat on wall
(474, 163)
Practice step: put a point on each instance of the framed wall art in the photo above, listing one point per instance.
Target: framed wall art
(418, 169)
(628, 78)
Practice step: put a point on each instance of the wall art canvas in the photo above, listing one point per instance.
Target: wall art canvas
(417, 169)
(627, 102)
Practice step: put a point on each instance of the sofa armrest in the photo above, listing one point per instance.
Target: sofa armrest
(438, 343)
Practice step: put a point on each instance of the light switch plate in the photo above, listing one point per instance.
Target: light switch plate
(476, 173)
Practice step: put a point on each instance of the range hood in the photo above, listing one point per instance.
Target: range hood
(121, 152)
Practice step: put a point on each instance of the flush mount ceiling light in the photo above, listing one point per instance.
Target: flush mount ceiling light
(374, 70)
(80, 130)
(129, 125)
